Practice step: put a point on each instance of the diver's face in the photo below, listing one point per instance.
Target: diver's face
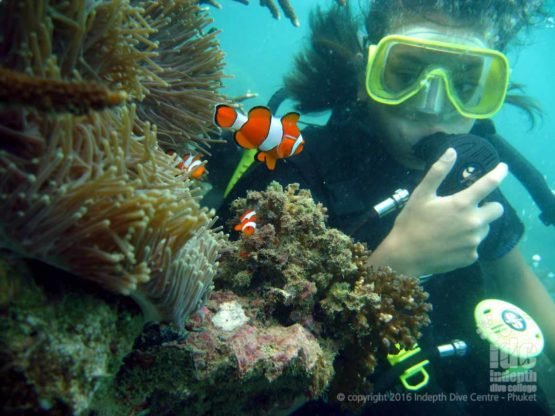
(402, 126)
(400, 130)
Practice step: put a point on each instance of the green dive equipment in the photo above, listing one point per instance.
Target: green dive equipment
(415, 377)
(502, 324)
(246, 161)
(509, 328)
(474, 79)
(409, 366)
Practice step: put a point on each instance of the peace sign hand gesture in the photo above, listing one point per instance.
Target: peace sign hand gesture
(437, 234)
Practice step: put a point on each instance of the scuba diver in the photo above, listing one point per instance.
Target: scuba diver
(411, 101)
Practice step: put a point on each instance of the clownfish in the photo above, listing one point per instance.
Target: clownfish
(191, 164)
(273, 137)
(247, 223)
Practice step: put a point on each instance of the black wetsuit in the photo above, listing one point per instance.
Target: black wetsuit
(348, 171)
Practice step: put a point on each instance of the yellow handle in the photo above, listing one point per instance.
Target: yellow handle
(246, 161)
(412, 371)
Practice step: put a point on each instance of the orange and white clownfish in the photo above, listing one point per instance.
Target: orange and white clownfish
(191, 164)
(247, 223)
(273, 137)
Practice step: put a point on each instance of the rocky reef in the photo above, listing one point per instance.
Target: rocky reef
(295, 315)
(230, 364)
(68, 349)
(302, 272)
(59, 344)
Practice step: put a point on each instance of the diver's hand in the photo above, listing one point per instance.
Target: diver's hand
(436, 234)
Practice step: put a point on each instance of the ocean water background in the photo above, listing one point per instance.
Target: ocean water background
(260, 50)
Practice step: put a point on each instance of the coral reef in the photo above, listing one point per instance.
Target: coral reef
(68, 349)
(92, 192)
(263, 368)
(87, 189)
(296, 315)
(303, 273)
(57, 347)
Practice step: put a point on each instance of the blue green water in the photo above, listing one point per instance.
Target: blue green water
(260, 50)
(532, 65)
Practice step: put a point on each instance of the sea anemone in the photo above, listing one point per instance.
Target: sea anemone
(90, 191)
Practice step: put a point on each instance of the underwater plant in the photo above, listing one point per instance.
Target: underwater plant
(85, 184)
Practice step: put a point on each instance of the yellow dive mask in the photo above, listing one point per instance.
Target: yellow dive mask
(474, 79)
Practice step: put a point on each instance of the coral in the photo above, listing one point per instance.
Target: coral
(261, 367)
(229, 316)
(382, 309)
(94, 194)
(304, 273)
(58, 349)
(66, 348)
(91, 192)
(88, 190)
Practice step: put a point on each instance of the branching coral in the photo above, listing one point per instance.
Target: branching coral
(95, 194)
(305, 273)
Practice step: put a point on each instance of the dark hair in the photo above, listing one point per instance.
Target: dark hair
(506, 17)
(327, 73)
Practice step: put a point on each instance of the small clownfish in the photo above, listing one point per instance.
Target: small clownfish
(247, 223)
(273, 137)
(191, 164)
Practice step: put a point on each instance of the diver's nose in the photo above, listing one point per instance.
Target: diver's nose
(432, 97)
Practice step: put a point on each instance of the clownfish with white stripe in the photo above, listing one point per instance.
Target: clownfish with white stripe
(189, 163)
(273, 137)
(247, 223)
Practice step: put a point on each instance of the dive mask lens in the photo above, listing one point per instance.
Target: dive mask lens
(475, 79)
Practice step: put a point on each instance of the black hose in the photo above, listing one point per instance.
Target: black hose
(529, 176)
(277, 98)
